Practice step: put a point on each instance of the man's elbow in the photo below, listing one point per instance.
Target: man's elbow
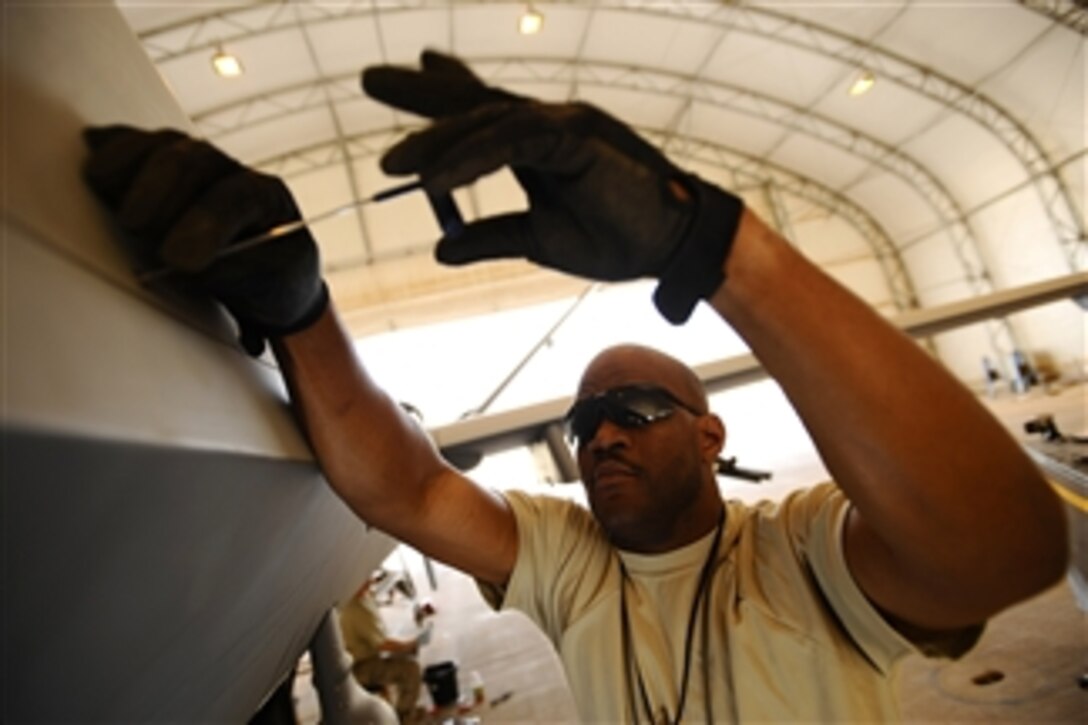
(1053, 555)
(1013, 561)
(1043, 548)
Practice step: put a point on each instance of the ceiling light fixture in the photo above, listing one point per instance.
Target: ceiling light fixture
(531, 21)
(226, 65)
(863, 84)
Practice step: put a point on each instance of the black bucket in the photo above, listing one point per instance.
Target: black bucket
(441, 680)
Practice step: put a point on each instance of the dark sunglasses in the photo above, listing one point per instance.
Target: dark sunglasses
(629, 406)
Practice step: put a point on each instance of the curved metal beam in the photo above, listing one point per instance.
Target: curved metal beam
(775, 25)
(1000, 333)
(760, 21)
(748, 170)
(753, 171)
(1070, 13)
(742, 100)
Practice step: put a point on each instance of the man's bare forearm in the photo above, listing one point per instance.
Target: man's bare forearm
(384, 465)
(364, 441)
(938, 482)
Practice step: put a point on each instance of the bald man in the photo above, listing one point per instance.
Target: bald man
(659, 495)
(664, 602)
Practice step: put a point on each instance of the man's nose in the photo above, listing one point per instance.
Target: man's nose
(607, 437)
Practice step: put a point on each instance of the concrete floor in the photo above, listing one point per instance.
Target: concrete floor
(1026, 668)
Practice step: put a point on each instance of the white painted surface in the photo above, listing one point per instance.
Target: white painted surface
(169, 546)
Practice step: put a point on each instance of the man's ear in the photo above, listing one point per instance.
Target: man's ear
(711, 437)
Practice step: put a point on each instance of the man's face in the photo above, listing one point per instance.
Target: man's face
(643, 483)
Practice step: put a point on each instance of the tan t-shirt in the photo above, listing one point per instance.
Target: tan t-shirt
(362, 627)
(791, 635)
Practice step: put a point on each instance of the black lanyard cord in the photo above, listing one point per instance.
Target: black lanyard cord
(702, 597)
(627, 654)
(707, 699)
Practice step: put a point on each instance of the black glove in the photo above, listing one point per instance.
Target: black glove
(603, 203)
(443, 87)
(182, 200)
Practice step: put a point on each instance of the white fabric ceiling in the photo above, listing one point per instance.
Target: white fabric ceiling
(960, 172)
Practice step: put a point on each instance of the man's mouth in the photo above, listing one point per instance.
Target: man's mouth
(613, 470)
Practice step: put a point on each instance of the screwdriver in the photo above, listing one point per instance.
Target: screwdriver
(443, 205)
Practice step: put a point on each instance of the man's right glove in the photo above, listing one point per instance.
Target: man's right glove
(183, 201)
(603, 203)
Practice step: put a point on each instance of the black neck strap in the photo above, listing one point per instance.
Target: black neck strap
(702, 597)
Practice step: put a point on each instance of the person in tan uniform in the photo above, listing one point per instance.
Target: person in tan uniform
(378, 661)
(665, 602)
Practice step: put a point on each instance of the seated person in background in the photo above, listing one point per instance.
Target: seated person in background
(387, 584)
(380, 662)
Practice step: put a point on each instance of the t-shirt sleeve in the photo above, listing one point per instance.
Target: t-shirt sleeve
(881, 643)
(559, 562)
(518, 587)
(498, 595)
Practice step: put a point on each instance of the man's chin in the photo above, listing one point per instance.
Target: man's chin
(624, 528)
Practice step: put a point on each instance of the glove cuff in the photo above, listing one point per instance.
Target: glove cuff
(253, 335)
(696, 270)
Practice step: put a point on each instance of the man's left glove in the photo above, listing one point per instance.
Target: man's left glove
(183, 201)
(603, 203)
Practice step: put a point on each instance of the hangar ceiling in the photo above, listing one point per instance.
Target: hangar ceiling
(965, 158)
